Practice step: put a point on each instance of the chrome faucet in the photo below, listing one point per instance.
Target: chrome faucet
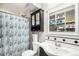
(58, 45)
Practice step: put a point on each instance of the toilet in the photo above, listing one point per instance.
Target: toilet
(35, 47)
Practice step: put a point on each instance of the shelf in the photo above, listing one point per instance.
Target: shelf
(69, 28)
(61, 29)
(61, 24)
(70, 22)
(60, 18)
(52, 24)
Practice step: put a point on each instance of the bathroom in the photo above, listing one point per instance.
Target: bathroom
(39, 29)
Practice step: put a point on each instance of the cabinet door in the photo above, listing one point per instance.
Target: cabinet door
(33, 20)
(38, 28)
(38, 19)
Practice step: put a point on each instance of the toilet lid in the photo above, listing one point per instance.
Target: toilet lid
(28, 53)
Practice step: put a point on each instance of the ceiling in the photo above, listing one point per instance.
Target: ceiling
(31, 7)
(26, 8)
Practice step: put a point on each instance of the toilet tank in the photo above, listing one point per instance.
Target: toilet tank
(35, 46)
(35, 39)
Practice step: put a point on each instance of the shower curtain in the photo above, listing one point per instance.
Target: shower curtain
(14, 34)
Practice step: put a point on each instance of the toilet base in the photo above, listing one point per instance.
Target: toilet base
(29, 53)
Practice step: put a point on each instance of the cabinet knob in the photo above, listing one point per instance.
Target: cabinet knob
(48, 37)
(64, 40)
(75, 41)
(54, 38)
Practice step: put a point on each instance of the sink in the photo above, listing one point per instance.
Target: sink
(56, 51)
(51, 50)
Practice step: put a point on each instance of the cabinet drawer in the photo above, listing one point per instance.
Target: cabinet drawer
(59, 39)
(51, 38)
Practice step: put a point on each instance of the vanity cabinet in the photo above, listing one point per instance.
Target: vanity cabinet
(37, 19)
(42, 52)
(62, 20)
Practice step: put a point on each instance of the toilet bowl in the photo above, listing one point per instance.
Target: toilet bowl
(29, 53)
(35, 47)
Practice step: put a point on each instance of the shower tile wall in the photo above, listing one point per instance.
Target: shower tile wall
(14, 34)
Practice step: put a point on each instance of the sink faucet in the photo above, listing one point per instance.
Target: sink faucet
(58, 45)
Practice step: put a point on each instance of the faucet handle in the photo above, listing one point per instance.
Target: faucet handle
(55, 39)
(57, 44)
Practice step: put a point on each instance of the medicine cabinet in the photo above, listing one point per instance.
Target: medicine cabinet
(62, 20)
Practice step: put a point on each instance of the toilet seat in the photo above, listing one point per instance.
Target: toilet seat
(35, 47)
(29, 53)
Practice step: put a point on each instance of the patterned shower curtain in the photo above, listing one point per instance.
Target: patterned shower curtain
(14, 34)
